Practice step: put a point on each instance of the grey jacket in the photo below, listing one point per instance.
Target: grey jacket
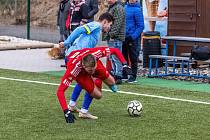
(61, 18)
(93, 7)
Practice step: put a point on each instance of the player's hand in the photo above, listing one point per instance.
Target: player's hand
(61, 44)
(114, 88)
(69, 116)
(127, 70)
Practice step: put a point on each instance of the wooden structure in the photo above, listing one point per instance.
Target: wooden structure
(188, 18)
(152, 8)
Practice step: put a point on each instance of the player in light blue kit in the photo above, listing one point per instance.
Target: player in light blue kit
(85, 36)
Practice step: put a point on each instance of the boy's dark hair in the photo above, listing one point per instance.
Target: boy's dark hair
(89, 60)
(106, 16)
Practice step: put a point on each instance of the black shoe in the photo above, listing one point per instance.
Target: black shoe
(118, 81)
(63, 65)
(132, 79)
(125, 78)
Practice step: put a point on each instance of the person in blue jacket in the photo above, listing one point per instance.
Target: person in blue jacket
(134, 28)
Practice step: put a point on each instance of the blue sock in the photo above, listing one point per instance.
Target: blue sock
(76, 92)
(66, 60)
(87, 101)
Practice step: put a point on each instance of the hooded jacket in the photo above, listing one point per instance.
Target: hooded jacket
(134, 20)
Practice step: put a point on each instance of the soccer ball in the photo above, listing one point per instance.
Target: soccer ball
(134, 108)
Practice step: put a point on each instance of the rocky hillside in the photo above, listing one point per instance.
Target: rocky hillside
(43, 12)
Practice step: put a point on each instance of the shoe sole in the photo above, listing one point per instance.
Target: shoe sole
(84, 117)
(124, 80)
(132, 82)
(88, 118)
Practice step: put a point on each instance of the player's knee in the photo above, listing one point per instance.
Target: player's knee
(98, 97)
(97, 93)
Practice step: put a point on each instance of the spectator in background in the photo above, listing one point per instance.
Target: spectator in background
(93, 8)
(78, 14)
(125, 1)
(134, 28)
(61, 19)
(116, 36)
(81, 12)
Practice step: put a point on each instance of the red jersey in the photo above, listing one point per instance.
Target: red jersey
(74, 67)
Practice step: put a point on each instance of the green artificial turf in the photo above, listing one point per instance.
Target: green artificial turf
(31, 111)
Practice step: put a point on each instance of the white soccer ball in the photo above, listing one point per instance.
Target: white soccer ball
(134, 108)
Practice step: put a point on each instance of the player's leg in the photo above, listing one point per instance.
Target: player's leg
(86, 103)
(84, 113)
(87, 82)
(104, 75)
(96, 93)
(88, 98)
(75, 95)
(93, 90)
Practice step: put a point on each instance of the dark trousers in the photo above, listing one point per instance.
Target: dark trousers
(130, 51)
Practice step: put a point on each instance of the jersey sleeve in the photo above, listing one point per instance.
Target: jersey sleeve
(90, 27)
(117, 52)
(65, 83)
(101, 51)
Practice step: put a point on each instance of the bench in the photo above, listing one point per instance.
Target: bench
(197, 63)
(176, 39)
(184, 70)
(185, 61)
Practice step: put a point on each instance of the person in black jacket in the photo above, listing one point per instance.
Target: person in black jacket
(61, 19)
(78, 14)
(93, 8)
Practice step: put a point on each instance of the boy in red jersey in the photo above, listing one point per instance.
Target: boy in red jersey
(85, 67)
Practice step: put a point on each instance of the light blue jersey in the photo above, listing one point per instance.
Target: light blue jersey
(86, 36)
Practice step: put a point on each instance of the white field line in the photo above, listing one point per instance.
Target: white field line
(124, 92)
